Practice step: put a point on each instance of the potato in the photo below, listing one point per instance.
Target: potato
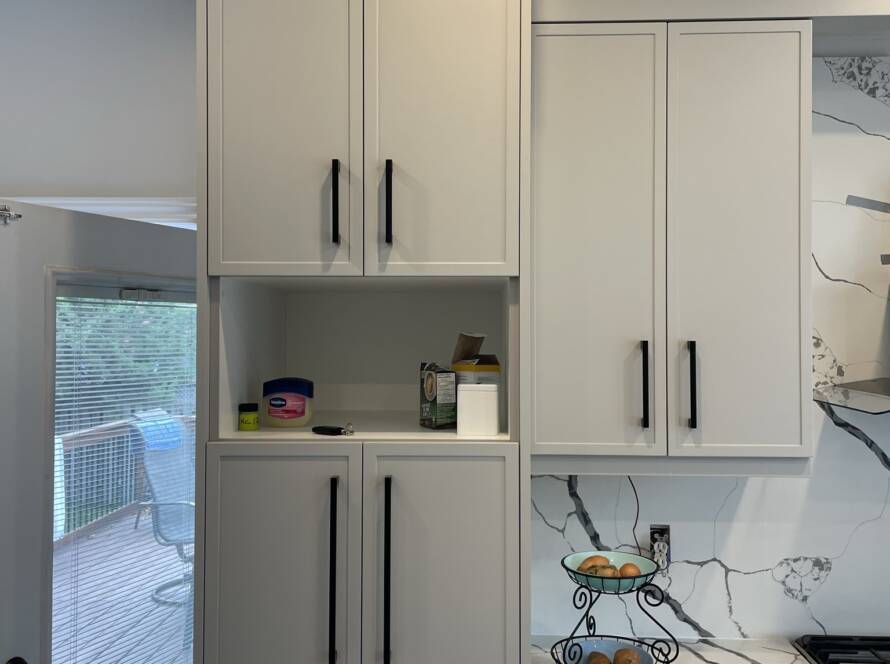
(610, 571)
(592, 561)
(598, 658)
(627, 656)
(629, 569)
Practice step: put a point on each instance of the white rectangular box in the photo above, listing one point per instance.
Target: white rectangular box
(477, 409)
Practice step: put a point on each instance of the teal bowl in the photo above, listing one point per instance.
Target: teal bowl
(610, 585)
(606, 646)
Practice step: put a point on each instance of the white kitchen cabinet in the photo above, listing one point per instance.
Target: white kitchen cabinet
(431, 88)
(739, 104)
(442, 107)
(598, 239)
(451, 593)
(284, 101)
(454, 545)
(716, 272)
(268, 552)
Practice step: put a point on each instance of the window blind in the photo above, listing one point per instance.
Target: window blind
(124, 480)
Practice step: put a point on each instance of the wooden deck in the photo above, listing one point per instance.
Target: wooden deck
(103, 611)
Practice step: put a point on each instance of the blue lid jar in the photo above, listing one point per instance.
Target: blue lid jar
(292, 385)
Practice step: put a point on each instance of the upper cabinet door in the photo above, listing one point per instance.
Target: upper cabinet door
(453, 543)
(739, 103)
(285, 101)
(598, 239)
(442, 108)
(278, 588)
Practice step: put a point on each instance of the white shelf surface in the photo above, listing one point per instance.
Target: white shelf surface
(369, 425)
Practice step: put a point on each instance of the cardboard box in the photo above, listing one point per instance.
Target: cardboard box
(438, 396)
(470, 365)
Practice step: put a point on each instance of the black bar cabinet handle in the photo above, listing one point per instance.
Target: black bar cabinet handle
(332, 577)
(693, 385)
(644, 346)
(335, 201)
(388, 203)
(387, 566)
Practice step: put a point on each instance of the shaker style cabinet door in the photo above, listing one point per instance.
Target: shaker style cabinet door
(739, 103)
(442, 137)
(278, 588)
(597, 239)
(284, 137)
(441, 553)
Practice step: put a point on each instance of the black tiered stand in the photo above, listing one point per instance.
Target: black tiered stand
(649, 596)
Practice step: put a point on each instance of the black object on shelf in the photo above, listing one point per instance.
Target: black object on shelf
(570, 650)
(820, 649)
(324, 430)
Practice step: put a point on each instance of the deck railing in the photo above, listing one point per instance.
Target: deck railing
(99, 473)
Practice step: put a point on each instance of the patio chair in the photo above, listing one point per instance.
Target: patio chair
(169, 463)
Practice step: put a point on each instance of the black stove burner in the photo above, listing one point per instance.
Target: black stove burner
(845, 649)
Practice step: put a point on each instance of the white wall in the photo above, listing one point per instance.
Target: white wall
(398, 329)
(98, 97)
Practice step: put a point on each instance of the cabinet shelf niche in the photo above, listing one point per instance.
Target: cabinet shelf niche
(361, 341)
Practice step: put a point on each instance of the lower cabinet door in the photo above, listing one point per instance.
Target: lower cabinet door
(441, 553)
(278, 587)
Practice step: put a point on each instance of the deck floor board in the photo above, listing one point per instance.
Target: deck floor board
(103, 611)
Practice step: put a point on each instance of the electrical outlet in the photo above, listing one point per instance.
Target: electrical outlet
(660, 545)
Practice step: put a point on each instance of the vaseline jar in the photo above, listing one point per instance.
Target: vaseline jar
(287, 402)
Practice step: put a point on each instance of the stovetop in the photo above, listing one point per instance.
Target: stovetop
(845, 649)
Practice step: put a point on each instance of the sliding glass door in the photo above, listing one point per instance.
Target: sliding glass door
(124, 457)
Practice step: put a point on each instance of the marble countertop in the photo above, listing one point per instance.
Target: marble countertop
(738, 651)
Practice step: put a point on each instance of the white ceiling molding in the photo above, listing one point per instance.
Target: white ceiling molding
(175, 212)
(690, 10)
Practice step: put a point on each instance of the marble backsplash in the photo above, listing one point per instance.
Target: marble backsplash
(765, 557)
